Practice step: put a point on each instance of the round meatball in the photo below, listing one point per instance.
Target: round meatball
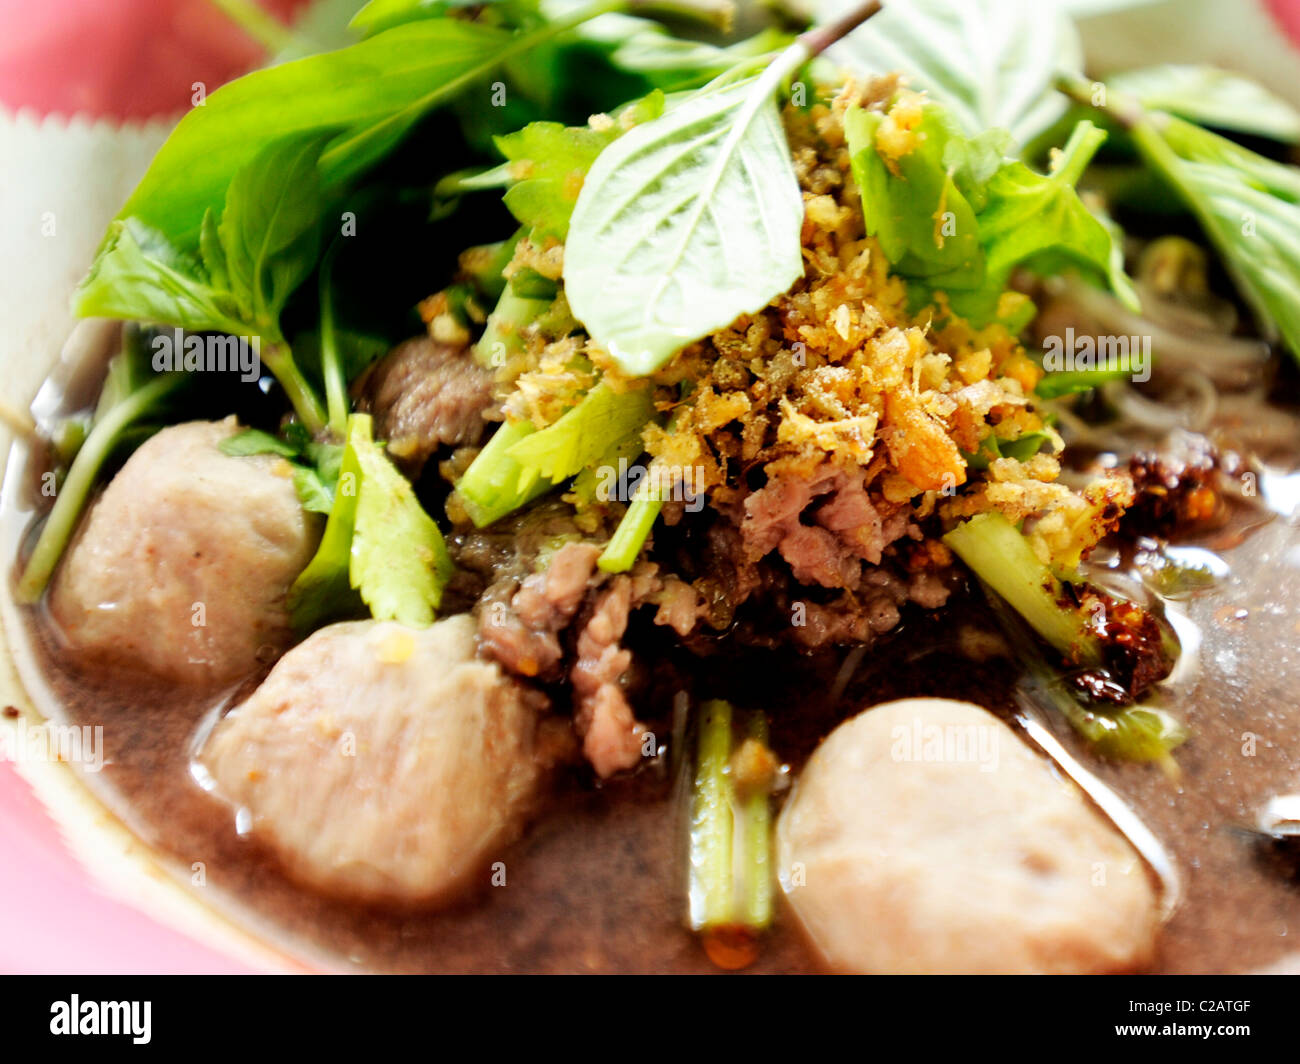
(925, 837)
(182, 565)
(382, 763)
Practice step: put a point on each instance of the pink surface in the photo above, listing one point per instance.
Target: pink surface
(121, 59)
(1286, 13)
(54, 920)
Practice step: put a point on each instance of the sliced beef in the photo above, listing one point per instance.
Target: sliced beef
(612, 739)
(425, 395)
(823, 523)
(520, 621)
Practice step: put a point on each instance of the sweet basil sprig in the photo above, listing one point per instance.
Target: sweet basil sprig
(251, 257)
(692, 219)
(1248, 205)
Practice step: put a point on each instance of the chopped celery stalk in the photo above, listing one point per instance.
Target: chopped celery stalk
(501, 335)
(712, 902)
(486, 265)
(76, 488)
(586, 432)
(1002, 558)
(495, 484)
(731, 827)
(621, 553)
(398, 559)
(754, 813)
(632, 532)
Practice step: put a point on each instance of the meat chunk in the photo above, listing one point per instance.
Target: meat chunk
(847, 526)
(182, 565)
(611, 737)
(520, 623)
(382, 762)
(925, 837)
(425, 395)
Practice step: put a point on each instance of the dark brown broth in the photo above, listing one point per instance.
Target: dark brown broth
(595, 886)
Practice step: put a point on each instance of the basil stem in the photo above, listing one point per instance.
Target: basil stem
(76, 488)
(336, 386)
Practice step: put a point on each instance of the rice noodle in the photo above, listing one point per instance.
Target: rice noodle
(847, 668)
(1228, 361)
(1137, 411)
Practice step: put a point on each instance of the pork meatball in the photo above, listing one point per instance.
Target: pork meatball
(925, 837)
(382, 763)
(182, 565)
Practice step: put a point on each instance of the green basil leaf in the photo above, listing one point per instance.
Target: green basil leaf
(646, 48)
(991, 63)
(140, 276)
(211, 251)
(684, 223)
(673, 63)
(380, 15)
(1212, 97)
(255, 441)
(269, 230)
(1249, 207)
(374, 90)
